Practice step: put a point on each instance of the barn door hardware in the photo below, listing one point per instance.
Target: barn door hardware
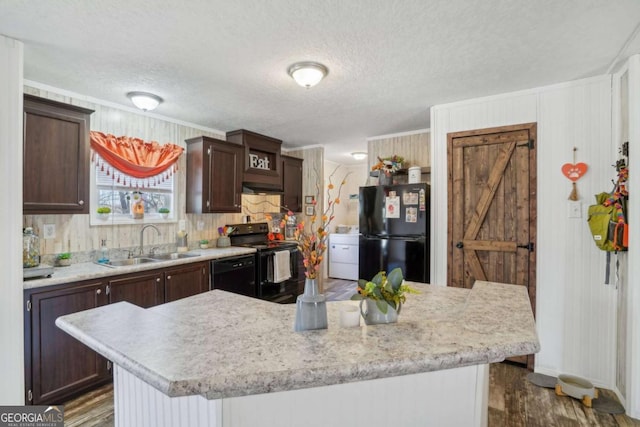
(528, 246)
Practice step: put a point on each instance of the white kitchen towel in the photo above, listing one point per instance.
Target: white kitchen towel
(281, 266)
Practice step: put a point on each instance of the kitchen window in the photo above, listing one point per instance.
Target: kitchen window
(115, 192)
(132, 181)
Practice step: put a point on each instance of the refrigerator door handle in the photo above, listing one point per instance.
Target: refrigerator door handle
(388, 237)
(408, 238)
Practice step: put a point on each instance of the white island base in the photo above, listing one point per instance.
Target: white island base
(450, 397)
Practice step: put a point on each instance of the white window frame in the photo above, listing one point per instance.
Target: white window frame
(154, 218)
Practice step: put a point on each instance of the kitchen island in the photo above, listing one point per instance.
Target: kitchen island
(221, 359)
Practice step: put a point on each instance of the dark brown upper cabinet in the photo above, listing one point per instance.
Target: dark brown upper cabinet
(214, 175)
(56, 157)
(292, 183)
(262, 163)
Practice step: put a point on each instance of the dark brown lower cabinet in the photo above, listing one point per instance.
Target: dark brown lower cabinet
(57, 366)
(142, 289)
(186, 280)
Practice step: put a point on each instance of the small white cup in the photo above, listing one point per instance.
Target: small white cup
(349, 316)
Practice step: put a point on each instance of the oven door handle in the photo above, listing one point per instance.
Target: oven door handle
(294, 262)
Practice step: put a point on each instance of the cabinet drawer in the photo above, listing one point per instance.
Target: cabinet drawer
(347, 254)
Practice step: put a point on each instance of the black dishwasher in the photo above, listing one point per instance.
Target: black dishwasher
(235, 274)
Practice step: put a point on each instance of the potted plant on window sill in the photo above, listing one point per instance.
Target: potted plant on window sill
(384, 296)
(64, 259)
(103, 212)
(164, 212)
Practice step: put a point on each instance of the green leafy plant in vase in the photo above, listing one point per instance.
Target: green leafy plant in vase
(103, 212)
(64, 259)
(383, 296)
(204, 244)
(164, 212)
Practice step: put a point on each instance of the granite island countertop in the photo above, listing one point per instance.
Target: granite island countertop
(92, 270)
(218, 344)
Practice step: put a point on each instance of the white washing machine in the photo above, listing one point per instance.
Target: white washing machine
(343, 256)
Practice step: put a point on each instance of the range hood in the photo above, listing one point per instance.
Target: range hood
(260, 188)
(262, 162)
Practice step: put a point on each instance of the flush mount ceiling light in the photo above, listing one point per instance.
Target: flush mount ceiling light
(144, 100)
(308, 74)
(359, 155)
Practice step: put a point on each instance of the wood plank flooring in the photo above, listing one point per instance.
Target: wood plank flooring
(338, 289)
(513, 400)
(93, 409)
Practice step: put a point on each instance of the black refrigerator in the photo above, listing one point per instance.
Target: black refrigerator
(394, 230)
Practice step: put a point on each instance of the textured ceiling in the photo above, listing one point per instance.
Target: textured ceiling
(222, 64)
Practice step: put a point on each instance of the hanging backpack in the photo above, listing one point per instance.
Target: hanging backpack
(607, 222)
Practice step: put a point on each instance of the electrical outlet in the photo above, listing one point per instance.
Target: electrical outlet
(182, 225)
(49, 231)
(574, 210)
(200, 225)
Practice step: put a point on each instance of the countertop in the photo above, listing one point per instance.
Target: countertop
(91, 270)
(218, 344)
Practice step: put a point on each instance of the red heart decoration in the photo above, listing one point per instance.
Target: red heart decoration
(574, 171)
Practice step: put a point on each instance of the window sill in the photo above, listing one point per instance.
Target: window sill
(94, 221)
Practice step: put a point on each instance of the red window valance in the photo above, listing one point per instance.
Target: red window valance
(135, 157)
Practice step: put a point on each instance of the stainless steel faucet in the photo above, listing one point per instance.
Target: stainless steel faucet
(142, 235)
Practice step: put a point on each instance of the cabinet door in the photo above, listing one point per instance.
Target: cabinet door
(292, 183)
(57, 365)
(225, 177)
(186, 280)
(142, 289)
(56, 157)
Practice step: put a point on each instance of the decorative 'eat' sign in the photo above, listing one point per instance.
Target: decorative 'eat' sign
(574, 171)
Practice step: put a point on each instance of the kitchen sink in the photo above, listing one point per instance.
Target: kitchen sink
(175, 255)
(128, 262)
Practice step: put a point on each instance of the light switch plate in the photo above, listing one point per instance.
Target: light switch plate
(574, 210)
(49, 231)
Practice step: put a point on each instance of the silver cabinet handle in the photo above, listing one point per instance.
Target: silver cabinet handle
(81, 202)
(98, 291)
(158, 279)
(168, 277)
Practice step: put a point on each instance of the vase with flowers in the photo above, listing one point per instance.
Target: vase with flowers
(311, 309)
(387, 167)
